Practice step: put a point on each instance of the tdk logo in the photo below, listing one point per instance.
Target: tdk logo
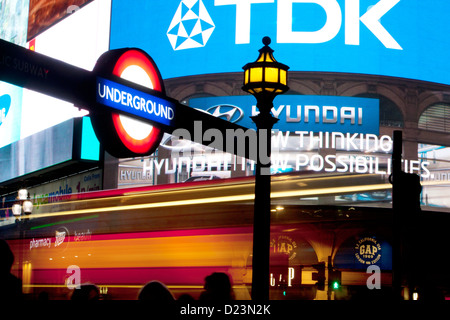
(192, 25)
(228, 112)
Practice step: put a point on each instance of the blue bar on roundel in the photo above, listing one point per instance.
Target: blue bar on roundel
(129, 100)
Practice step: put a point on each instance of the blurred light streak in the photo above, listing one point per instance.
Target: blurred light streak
(63, 222)
(223, 199)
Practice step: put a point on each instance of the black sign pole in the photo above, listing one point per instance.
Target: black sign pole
(37, 72)
(397, 265)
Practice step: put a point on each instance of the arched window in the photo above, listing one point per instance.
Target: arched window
(436, 118)
(390, 114)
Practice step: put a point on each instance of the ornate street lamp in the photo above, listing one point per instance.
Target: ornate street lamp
(23, 204)
(264, 79)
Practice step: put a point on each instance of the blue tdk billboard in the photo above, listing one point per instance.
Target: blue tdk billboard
(400, 38)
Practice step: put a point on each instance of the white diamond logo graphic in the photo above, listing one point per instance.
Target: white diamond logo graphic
(191, 26)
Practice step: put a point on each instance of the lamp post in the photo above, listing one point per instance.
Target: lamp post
(264, 79)
(22, 206)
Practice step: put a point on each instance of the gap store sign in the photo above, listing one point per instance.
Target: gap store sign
(300, 112)
(401, 38)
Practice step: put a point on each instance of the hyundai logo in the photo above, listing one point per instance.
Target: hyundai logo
(226, 111)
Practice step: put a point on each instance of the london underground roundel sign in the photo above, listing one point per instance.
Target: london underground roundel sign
(123, 136)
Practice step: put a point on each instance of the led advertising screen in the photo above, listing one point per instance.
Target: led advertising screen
(44, 13)
(36, 130)
(79, 39)
(59, 144)
(10, 113)
(44, 149)
(300, 112)
(13, 22)
(400, 38)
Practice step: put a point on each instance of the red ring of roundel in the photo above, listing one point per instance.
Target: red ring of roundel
(135, 57)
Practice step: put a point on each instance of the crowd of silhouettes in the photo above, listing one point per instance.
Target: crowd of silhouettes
(217, 287)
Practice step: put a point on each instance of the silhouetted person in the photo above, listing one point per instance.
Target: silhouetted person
(217, 288)
(186, 298)
(157, 292)
(10, 285)
(86, 292)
